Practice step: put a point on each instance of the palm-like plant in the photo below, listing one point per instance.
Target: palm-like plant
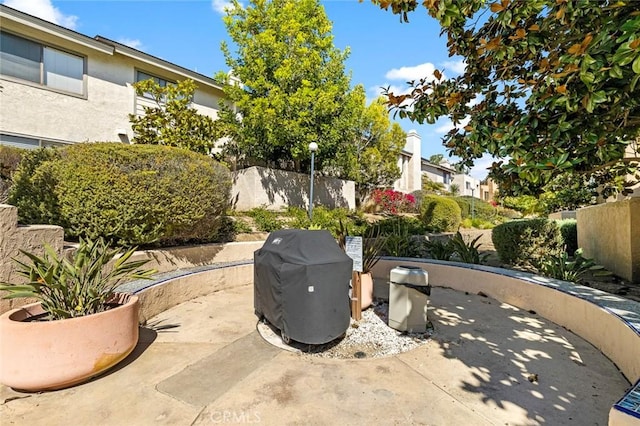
(79, 286)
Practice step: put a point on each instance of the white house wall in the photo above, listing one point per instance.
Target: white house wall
(31, 110)
(409, 164)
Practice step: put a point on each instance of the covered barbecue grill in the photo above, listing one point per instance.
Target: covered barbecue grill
(301, 285)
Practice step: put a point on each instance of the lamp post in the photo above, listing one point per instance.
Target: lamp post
(473, 204)
(313, 147)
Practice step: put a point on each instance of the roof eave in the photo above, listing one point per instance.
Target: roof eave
(157, 62)
(55, 30)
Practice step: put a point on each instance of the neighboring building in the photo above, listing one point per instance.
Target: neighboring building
(409, 164)
(59, 86)
(441, 173)
(468, 185)
(488, 189)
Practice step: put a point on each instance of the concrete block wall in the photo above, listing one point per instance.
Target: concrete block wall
(610, 234)
(14, 238)
(278, 189)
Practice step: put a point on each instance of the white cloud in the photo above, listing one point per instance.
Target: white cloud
(44, 9)
(412, 73)
(220, 6)
(481, 166)
(448, 125)
(134, 43)
(456, 67)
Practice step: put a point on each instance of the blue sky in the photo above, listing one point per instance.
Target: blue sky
(384, 51)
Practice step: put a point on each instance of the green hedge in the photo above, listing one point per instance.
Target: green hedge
(9, 159)
(440, 214)
(128, 194)
(569, 232)
(526, 242)
(482, 209)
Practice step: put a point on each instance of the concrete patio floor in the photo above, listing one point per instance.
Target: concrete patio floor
(203, 362)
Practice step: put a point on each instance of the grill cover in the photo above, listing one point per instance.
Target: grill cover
(301, 285)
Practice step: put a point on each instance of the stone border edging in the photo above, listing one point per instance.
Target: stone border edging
(598, 321)
(172, 288)
(610, 323)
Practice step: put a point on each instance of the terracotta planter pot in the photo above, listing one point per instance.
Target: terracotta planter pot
(49, 355)
(366, 283)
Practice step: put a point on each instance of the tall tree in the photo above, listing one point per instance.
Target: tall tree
(172, 120)
(555, 85)
(371, 157)
(293, 89)
(436, 158)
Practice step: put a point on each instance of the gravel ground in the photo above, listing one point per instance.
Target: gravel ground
(370, 337)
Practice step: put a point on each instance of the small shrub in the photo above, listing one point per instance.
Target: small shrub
(328, 219)
(527, 242)
(569, 232)
(128, 194)
(476, 208)
(393, 202)
(9, 160)
(440, 214)
(34, 188)
(465, 206)
(240, 226)
(412, 224)
(476, 223)
(266, 220)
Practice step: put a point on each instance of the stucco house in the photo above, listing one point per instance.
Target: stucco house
(409, 164)
(59, 86)
(441, 173)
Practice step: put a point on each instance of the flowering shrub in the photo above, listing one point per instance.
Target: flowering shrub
(393, 202)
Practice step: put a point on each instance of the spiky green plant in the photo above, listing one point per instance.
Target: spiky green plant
(82, 285)
(563, 268)
(467, 252)
(440, 250)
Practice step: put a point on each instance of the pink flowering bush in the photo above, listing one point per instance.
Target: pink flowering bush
(393, 202)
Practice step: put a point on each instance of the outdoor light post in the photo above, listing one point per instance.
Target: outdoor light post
(473, 202)
(313, 147)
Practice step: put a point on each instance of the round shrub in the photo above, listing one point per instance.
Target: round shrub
(465, 205)
(527, 242)
(440, 214)
(481, 209)
(129, 194)
(569, 232)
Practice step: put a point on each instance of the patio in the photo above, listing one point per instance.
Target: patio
(202, 362)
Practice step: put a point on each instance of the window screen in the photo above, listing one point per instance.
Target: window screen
(63, 71)
(19, 57)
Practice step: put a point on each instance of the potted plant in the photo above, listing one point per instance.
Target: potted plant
(80, 326)
(372, 244)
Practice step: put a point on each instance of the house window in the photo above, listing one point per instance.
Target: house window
(142, 76)
(31, 61)
(468, 185)
(26, 142)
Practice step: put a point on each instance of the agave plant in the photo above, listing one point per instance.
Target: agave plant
(563, 268)
(467, 252)
(79, 286)
(440, 250)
